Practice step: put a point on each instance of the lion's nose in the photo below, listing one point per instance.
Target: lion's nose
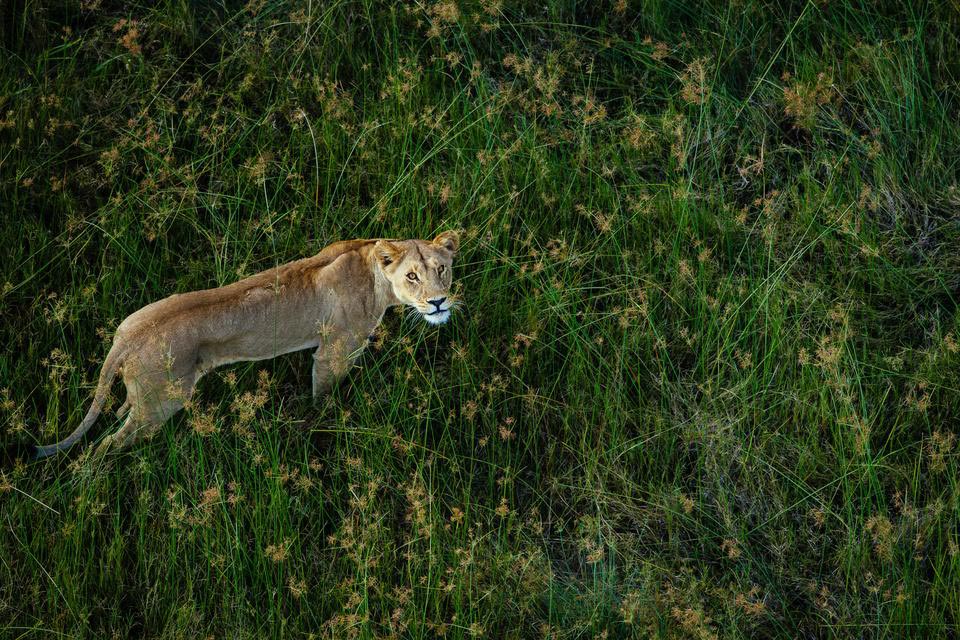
(437, 302)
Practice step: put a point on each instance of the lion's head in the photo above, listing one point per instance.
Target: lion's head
(420, 273)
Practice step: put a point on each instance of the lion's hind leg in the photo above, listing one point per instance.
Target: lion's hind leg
(150, 405)
(139, 426)
(123, 438)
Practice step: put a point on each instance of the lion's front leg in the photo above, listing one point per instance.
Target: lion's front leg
(332, 360)
(322, 378)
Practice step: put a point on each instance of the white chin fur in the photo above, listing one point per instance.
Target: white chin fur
(437, 318)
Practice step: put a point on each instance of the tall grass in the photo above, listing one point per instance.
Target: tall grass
(704, 384)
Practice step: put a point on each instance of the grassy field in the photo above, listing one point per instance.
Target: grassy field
(705, 382)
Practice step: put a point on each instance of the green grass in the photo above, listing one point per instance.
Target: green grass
(705, 382)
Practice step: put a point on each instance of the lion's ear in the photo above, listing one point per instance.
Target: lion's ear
(387, 252)
(449, 240)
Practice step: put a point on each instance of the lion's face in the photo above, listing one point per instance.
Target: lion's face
(420, 273)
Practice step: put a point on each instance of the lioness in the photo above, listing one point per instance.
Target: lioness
(332, 301)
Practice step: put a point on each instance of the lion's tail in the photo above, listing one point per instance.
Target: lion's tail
(111, 365)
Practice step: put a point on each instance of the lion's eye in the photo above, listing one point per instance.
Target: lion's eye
(441, 269)
(412, 277)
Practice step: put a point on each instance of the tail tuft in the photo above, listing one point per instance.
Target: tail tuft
(111, 365)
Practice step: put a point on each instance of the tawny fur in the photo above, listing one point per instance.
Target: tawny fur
(332, 302)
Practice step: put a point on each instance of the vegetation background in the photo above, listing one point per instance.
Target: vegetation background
(704, 383)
